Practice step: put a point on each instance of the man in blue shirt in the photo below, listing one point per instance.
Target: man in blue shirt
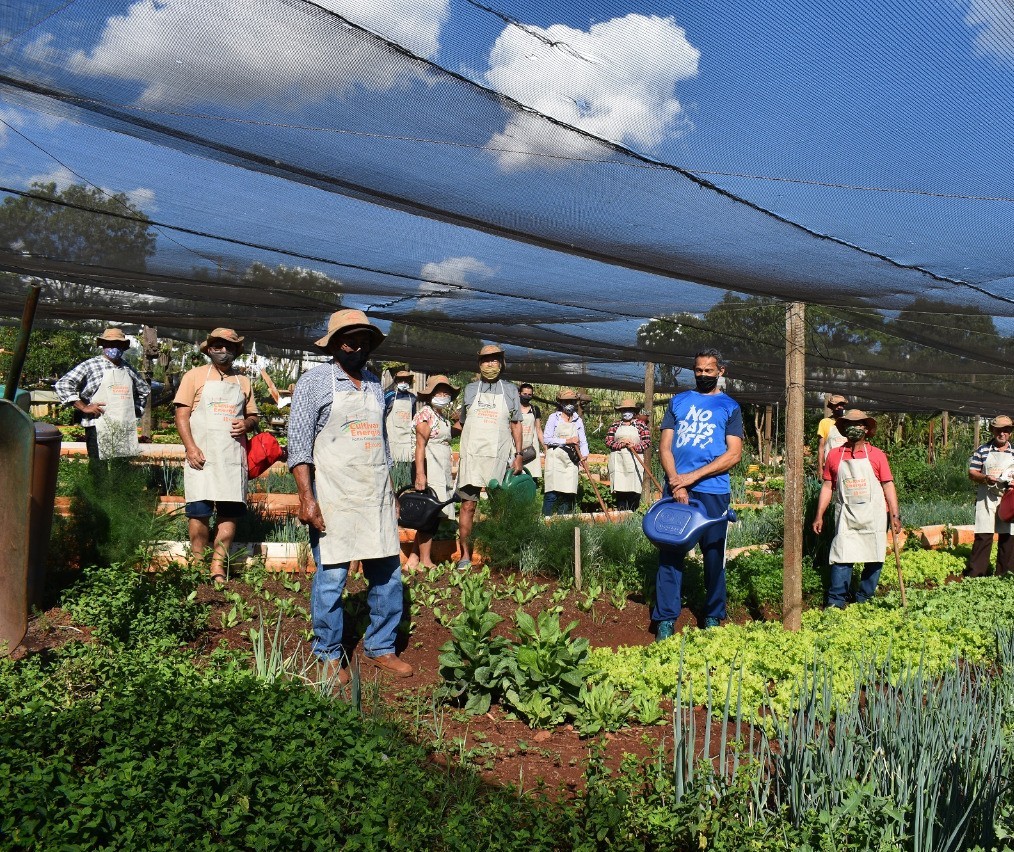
(702, 440)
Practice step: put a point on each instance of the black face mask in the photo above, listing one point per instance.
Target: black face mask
(352, 362)
(706, 384)
(526, 399)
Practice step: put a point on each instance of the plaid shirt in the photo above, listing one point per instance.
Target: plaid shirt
(83, 381)
(643, 433)
(311, 408)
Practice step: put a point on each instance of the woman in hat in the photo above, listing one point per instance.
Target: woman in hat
(109, 396)
(564, 428)
(400, 406)
(432, 428)
(858, 477)
(215, 409)
(990, 468)
(531, 430)
(626, 438)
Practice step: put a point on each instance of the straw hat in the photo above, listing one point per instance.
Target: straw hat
(408, 375)
(1001, 421)
(853, 416)
(349, 319)
(434, 382)
(491, 349)
(113, 335)
(226, 334)
(836, 398)
(627, 402)
(566, 395)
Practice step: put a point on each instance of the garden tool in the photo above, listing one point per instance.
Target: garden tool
(420, 510)
(595, 488)
(649, 474)
(669, 523)
(897, 561)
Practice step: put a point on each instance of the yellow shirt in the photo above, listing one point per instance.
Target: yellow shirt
(192, 384)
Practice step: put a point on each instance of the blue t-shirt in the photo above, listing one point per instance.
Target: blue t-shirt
(700, 423)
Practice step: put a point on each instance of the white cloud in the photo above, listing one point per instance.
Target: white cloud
(235, 50)
(994, 25)
(616, 80)
(141, 196)
(9, 118)
(452, 270)
(61, 176)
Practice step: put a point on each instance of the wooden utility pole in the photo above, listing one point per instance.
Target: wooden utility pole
(649, 410)
(930, 450)
(149, 354)
(795, 386)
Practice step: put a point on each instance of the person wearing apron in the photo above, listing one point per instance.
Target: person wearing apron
(531, 430)
(490, 424)
(401, 407)
(340, 458)
(433, 456)
(829, 438)
(215, 410)
(563, 428)
(990, 468)
(858, 478)
(109, 395)
(624, 438)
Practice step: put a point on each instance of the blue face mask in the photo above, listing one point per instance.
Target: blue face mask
(114, 353)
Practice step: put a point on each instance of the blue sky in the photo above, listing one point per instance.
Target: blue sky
(788, 105)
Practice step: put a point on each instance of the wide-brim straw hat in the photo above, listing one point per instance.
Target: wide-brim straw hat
(491, 349)
(434, 382)
(853, 416)
(836, 398)
(405, 374)
(349, 319)
(628, 402)
(227, 334)
(1001, 421)
(113, 335)
(566, 395)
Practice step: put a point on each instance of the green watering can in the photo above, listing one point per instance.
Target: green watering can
(519, 485)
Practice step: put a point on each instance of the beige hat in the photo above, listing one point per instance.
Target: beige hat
(227, 334)
(404, 374)
(628, 402)
(854, 415)
(566, 395)
(491, 349)
(349, 319)
(836, 398)
(113, 335)
(434, 382)
(1001, 421)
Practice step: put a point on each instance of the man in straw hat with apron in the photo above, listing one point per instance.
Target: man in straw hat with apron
(491, 439)
(400, 408)
(625, 438)
(859, 479)
(215, 409)
(990, 468)
(109, 396)
(340, 458)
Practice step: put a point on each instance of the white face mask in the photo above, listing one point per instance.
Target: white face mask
(403, 386)
(441, 401)
(627, 415)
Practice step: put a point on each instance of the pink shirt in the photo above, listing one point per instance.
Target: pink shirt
(878, 461)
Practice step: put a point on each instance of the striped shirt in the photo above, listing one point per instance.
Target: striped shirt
(978, 460)
(311, 408)
(83, 381)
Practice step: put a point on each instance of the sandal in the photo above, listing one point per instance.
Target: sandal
(219, 579)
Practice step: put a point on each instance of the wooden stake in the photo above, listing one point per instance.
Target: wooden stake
(577, 557)
(978, 428)
(149, 353)
(930, 451)
(649, 409)
(766, 455)
(795, 385)
(944, 422)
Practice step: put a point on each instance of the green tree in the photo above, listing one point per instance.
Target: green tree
(51, 353)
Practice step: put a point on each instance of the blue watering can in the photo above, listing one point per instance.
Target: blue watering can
(680, 525)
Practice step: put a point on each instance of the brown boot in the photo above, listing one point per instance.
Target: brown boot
(334, 670)
(392, 665)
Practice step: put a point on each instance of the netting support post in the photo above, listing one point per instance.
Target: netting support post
(149, 353)
(978, 432)
(945, 422)
(766, 455)
(795, 386)
(649, 410)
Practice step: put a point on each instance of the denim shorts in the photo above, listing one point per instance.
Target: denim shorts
(206, 508)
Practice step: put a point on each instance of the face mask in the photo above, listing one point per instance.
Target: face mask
(855, 433)
(441, 401)
(837, 412)
(490, 372)
(352, 362)
(706, 384)
(114, 353)
(568, 409)
(627, 415)
(222, 359)
(526, 399)
(403, 386)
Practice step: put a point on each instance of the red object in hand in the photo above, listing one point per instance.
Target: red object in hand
(1005, 511)
(262, 451)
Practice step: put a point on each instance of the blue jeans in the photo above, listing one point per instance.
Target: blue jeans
(841, 577)
(384, 599)
(557, 503)
(669, 579)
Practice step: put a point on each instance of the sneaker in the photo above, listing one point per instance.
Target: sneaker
(464, 565)
(710, 622)
(664, 630)
(392, 665)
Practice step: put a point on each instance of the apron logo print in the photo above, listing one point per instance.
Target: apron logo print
(361, 429)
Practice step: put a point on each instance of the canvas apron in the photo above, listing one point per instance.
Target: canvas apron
(486, 443)
(352, 481)
(561, 472)
(223, 478)
(528, 436)
(624, 471)
(860, 533)
(438, 461)
(833, 440)
(116, 429)
(987, 497)
(399, 430)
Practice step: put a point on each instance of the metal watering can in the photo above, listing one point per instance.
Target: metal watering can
(519, 485)
(680, 526)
